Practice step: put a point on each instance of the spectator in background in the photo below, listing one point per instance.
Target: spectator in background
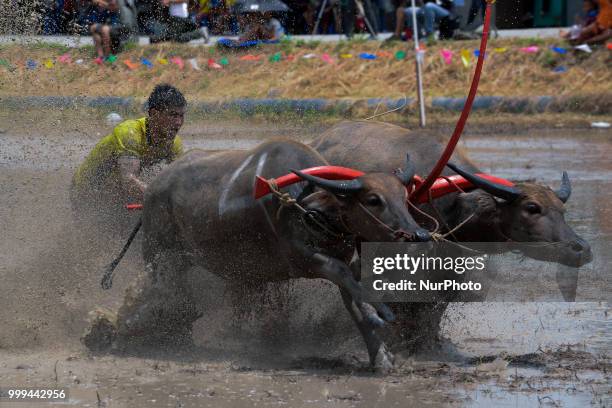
(261, 26)
(590, 8)
(103, 14)
(349, 9)
(150, 16)
(175, 24)
(601, 29)
(215, 15)
(428, 15)
(476, 7)
(52, 16)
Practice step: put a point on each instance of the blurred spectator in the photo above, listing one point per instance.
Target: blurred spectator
(150, 16)
(261, 26)
(167, 20)
(113, 22)
(52, 17)
(590, 8)
(428, 15)
(350, 9)
(476, 7)
(331, 18)
(102, 15)
(601, 29)
(216, 15)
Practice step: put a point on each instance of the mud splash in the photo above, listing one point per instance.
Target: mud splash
(301, 350)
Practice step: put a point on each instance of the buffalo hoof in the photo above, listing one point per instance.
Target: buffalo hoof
(102, 333)
(383, 362)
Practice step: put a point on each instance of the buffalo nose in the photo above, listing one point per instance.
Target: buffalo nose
(423, 236)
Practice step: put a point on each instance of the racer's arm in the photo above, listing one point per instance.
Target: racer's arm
(129, 168)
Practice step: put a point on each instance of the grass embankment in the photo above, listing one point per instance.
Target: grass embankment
(509, 73)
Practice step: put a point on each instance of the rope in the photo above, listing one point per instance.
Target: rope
(389, 111)
(286, 200)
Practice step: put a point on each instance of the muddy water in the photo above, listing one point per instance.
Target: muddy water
(305, 353)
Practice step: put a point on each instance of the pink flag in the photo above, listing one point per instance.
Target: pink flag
(530, 50)
(64, 58)
(178, 61)
(325, 57)
(447, 55)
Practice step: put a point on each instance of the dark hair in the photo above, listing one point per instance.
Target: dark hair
(165, 96)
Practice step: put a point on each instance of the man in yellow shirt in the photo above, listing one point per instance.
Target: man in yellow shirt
(112, 174)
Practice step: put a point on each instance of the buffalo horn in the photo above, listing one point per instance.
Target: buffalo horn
(565, 190)
(333, 186)
(407, 173)
(505, 192)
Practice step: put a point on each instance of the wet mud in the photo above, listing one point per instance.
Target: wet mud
(296, 346)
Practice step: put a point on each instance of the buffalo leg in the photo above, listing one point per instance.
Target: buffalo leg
(339, 273)
(380, 358)
(160, 310)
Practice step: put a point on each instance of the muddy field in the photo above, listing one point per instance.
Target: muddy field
(301, 350)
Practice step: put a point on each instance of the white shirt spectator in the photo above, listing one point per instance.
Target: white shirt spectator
(179, 10)
(275, 26)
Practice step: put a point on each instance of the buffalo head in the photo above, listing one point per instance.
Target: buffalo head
(529, 213)
(373, 206)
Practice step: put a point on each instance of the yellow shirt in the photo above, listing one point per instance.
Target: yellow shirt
(100, 170)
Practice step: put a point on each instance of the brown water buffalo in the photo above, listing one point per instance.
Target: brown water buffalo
(526, 213)
(200, 211)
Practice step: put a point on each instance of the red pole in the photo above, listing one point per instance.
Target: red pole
(452, 143)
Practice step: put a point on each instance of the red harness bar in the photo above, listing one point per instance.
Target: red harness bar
(441, 187)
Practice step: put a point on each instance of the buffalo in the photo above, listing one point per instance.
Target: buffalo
(525, 213)
(200, 211)
(528, 214)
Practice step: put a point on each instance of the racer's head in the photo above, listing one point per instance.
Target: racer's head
(166, 106)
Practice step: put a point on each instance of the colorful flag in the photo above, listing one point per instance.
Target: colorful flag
(447, 56)
(64, 58)
(584, 48)
(146, 62)
(276, 57)
(162, 61)
(365, 55)
(531, 49)
(194, 64)
(131, 65)
(346, 56)
(178, 61)
(250, 57)
(400, 55)
(212, 64)
(224, 61)
(48, 64)
(325, 57)
(465, 58)
(559, 50)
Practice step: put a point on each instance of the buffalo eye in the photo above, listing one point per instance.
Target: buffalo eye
(533, 208)
(374, 200)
